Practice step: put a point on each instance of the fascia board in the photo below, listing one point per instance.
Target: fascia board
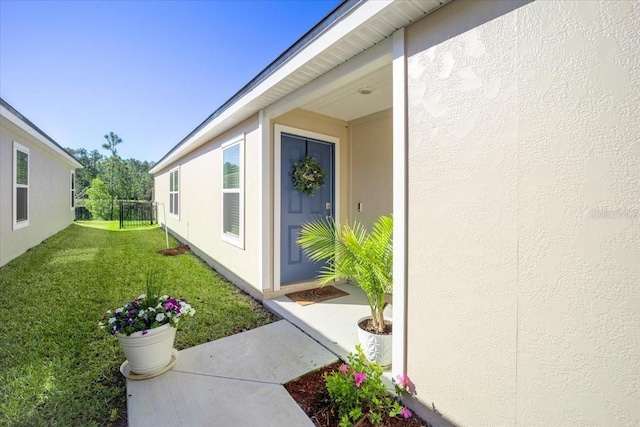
(32, 132)
(324, 41)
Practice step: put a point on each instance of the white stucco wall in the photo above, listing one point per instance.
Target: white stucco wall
(49, 193)
(200, 220)
(371, 167)
(524, 212)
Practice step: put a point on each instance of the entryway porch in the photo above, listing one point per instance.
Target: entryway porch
(332, 323)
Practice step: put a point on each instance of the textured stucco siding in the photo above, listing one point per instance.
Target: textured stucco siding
(524, 212)
(200, 219)
(49, 193)
(371, 167)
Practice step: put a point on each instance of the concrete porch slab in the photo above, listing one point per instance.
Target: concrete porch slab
(232, 381)
(332, 323)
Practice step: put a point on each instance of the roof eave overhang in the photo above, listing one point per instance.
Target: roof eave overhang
(258, 97)
(50, 145)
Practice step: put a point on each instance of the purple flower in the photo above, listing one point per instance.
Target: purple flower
(406, 412)
(172, 305)
(145, 332)
(344, 368)
(359, 377)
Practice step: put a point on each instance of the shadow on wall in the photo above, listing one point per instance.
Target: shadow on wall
(474, 14)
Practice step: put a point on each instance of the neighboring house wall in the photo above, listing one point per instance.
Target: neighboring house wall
(200, 206)
(371, 167)
(49, 193)
(524, 215)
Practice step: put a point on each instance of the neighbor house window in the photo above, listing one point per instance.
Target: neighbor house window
(20, 186)
(73, 190)
(232, 192)
(174, 192)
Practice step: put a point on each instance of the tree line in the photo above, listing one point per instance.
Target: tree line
(105, 179)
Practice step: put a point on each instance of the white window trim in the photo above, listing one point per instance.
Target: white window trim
(237, 241)
(19, 147)
(171, 172)
(72, 190)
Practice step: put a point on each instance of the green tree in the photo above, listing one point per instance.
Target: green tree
(113, 163)
(92, 162)
(99, 202)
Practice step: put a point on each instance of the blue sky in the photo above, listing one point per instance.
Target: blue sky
(150, 71)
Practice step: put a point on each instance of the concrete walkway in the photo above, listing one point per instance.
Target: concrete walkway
(233, 381)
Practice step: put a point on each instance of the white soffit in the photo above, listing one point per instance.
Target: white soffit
(347, 104)
(360, 29)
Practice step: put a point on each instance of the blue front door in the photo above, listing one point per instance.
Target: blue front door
(298, 208)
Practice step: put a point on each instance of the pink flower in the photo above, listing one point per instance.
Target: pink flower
(403, 380)
(359, 377)
(406, 412)
(344, 368)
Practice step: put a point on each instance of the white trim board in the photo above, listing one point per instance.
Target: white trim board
(399, 364)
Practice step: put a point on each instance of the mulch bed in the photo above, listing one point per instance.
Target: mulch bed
(175, 251)
(312, 396)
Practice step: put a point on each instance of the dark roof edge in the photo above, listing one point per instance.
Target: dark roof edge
(333, 16)
(16, 113)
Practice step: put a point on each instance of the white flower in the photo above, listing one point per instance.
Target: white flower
(151, 309)
(159, 317)
(111, 320)
(119, 310)
(142, 296)
(192, 312)
(141, 313)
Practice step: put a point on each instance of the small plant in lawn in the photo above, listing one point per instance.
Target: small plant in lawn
(358, 392)
(148, 311)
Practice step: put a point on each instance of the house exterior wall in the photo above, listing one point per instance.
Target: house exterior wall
(49, 193)
(524, 218)
(371, 167)
(200, 212)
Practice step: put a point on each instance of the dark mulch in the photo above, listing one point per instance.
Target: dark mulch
(312, 396)
(175, 251)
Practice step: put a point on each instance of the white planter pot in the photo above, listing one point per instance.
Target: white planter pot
(148, 353)
(376, 348)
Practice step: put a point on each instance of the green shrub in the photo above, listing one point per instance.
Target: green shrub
(357, 391)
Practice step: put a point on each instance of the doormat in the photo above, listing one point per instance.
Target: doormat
(312, 296)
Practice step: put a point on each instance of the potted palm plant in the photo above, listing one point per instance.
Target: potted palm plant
(366, 258)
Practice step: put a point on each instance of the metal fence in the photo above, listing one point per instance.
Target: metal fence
(83, 214)
(136, 213)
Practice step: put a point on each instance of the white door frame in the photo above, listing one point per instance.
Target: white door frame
(277, 196)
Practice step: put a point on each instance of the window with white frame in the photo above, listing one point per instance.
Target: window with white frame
(174, 192)
(73, 190)
(20, 186)
(232, 192)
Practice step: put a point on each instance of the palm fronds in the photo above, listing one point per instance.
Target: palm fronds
(353, 253)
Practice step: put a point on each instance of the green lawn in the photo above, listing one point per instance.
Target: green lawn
(56, 366)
